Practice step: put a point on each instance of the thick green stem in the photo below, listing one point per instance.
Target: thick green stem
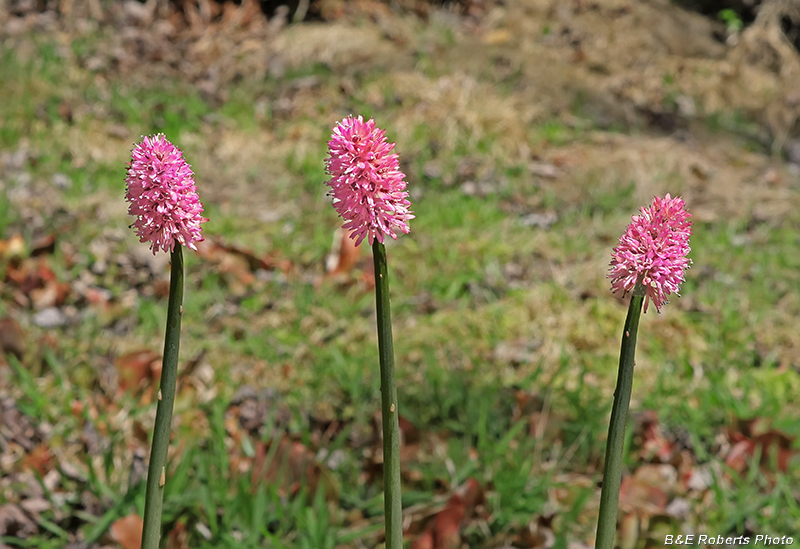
(156, 472)
(612, 473)
(393, 507)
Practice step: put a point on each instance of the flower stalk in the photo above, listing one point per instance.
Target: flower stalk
(393, 506)
(156, 472)
(612, 471)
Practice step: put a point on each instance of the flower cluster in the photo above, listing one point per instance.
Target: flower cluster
(163, 196)
(368, 188)
(653, 251)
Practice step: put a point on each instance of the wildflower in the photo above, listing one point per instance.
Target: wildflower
(653, 251)
(368, 188)
(163, 196)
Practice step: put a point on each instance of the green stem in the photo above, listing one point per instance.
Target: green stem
(154, 497)
(612, 474)
(393, 507)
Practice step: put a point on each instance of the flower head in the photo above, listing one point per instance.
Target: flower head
(369, 190)
(163, 196)
(653, 251)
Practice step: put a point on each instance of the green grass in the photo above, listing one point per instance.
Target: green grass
(712, 357)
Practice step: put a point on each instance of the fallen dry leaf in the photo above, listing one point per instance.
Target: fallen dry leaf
(12, 338)
(43, 245)
(127, 531)
(36, 283)
(38, 459)
(12, 248)
(447, 524)
(642, 495)
(538, 534)
(293, 466)
(752, 435)
(648, 490)
(178, 536)
(649, 436)
(216, 250)
(344, 254)
(443, 531)
(15, 523)
(136, 367)
(425, 541)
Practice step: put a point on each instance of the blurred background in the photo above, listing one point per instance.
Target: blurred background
(530, 131)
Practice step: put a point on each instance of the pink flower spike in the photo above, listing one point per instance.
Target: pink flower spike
(369, 190)
(163, 196)
(653, 251)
